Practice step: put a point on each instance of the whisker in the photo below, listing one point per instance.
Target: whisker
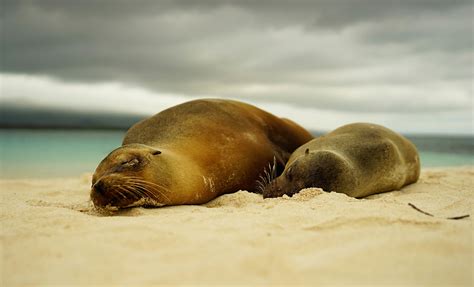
(119, 192)
(140, 189)
(140, 180)
(161, 193)
(151, 185)
(260, 186)
(130, 191)
(144, 189)
(267, 176)
(274, 170)
(137, 191)
(142, 185)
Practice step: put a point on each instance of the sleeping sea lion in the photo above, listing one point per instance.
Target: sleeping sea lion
(359, 159)
(192, 153)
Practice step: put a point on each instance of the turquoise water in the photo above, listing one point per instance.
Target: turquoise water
(62, 153)
(54, 153)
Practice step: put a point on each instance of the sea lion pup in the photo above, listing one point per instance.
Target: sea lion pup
(192, 153)
(358, 159)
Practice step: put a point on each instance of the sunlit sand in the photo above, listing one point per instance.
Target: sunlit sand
(51, 235)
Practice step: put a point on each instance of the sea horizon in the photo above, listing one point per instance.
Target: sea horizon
(59, 152)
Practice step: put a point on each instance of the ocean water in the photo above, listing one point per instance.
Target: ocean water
(54, 153)
(63, 153)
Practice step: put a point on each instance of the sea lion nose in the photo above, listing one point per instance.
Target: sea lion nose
(99, 187)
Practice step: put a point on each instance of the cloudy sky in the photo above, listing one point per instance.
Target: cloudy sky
(404, 64)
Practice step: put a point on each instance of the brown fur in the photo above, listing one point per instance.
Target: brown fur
(357, 159)
(208, 148)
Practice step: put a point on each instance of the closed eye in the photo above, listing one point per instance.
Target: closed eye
(131, 162)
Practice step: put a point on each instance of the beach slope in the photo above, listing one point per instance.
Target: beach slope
(51, 235)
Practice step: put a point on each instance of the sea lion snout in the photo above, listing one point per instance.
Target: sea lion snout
(98, 187)
(99, 194)
(273, 189)
(103, 192)
(285, 184)
(116, 191)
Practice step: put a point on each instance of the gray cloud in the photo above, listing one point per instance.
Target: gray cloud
(358, 55)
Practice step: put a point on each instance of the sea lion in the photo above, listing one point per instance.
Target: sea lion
(192, 153)
(358, 159)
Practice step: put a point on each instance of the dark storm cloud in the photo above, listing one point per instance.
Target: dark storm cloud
(357, 55)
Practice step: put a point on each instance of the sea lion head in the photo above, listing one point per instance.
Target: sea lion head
(294, 178)
(127, 177)
(323, 169)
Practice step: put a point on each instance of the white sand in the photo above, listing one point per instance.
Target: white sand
(51, 235)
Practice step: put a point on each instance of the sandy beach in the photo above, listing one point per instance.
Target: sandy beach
(51, 235)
